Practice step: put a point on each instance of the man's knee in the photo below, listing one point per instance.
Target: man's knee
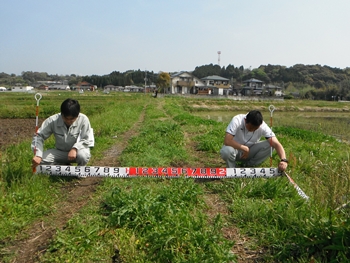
(227, 152)
(48, 157)
(83, 157)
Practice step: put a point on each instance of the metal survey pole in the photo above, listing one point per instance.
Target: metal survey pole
(37, 97)
(271, 109)
(300, 192)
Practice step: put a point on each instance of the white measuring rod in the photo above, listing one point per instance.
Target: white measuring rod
(166, 172)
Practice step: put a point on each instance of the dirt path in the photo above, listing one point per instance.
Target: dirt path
(79, 193)
(217, 206)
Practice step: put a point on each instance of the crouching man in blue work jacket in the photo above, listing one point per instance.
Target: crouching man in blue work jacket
(73, 136)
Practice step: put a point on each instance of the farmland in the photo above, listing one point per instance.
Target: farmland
(60, 219)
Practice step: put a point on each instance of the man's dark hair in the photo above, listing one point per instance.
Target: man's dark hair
(70, 107)
(254, 117)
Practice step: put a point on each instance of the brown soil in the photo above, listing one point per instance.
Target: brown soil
(13, 131)
(36, 238)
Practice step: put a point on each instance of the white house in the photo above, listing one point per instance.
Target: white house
(273, 90)
(184, 82)
(22, 89)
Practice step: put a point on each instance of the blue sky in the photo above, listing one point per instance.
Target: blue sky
(98, 37)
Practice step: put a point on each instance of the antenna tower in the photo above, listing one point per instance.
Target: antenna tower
(219, 52)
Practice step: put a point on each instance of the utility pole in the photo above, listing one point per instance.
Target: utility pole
(145, 80)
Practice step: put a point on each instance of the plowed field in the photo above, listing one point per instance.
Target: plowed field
(13, 131)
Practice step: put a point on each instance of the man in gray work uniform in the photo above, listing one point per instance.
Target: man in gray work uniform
(242, 142)
(73, 136)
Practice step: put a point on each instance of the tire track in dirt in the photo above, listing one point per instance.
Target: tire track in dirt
(78, 192)
(217, 206)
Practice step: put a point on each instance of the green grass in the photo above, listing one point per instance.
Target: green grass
(163, 220)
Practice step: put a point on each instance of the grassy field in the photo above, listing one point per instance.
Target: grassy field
(162, 220)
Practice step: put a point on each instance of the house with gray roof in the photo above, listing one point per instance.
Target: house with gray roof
(217, 85)
(252, 87)
(272, 90)
(255, 87)
(58, 87)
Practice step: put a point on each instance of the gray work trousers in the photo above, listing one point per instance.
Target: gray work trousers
(258, 153)
(57, 157)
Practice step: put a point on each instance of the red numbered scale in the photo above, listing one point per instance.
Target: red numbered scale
(167, 172)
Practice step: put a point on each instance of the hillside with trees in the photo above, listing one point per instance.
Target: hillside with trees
(304, 81)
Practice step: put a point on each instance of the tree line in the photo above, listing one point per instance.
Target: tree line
(304, 81)
(30, 78)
